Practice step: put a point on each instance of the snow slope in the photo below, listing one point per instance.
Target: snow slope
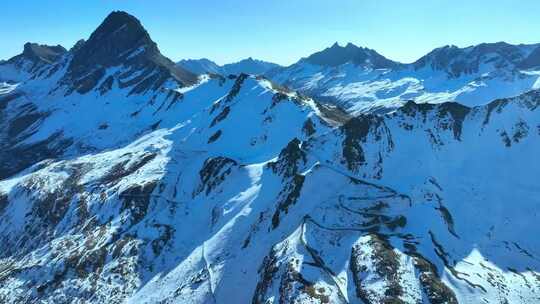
(472, 76)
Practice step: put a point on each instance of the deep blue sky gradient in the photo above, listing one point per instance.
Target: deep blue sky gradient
(278, 30)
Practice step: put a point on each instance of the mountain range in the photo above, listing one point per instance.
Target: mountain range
(360, 80)
(343, 178)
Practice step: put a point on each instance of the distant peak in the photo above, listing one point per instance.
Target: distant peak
(41, 52)
(120, 40)
(117, 19)
(123, 27)
(337, 55)
(457, 61)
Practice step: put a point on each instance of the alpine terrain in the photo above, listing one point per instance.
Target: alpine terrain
(127, 178)
(361, 80)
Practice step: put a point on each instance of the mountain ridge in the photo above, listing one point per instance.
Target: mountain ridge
(473, 75)
(248, 65)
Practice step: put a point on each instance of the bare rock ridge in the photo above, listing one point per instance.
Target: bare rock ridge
(45, 53)
(337, 55)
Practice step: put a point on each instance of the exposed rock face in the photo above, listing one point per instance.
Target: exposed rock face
(459, 61)
(290, 159)
(44, 53)
(337, 55)
(213, 173)
(19, 121)
(122, 41)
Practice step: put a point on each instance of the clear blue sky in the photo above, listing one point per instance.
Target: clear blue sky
(278, 30)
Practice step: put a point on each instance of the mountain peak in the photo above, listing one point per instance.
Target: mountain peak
(337, 55)
(117, 34)
(121, 40)
(119, 24)
(457, 61)
(41, 53)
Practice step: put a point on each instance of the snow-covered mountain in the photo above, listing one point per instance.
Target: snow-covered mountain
(248, 66)
(201, 66)
(361, 80)
(125, 179)
(32, 59)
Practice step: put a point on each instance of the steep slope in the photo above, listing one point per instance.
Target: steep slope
(390, 224)
(360, 80)
(33, 59)
(195, 148)
(121, 41)
(111, 77)
(336, 55)
(200, 66)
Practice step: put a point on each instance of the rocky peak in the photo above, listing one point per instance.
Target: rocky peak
(458, 61)
(44, 53)
(40, 53)
(113, 40)
(121, 40)
(337, 55)
(77, 45)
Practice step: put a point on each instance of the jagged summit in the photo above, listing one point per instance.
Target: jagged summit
(337, 55)
(34, 60)
(39, 53)
(113, 39)
(458, 61)
(121, 40)
(46, 53)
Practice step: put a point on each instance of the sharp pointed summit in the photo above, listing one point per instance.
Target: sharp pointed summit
(121, 40)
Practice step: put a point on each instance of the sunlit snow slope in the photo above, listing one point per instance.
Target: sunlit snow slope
(360, 80)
